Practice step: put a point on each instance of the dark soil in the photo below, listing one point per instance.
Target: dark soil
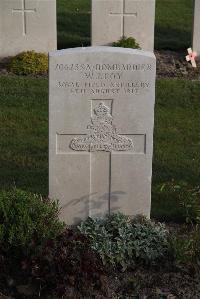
(174, 65)
(170, 64)
(138, 284)
(4, 297)
(79, 272)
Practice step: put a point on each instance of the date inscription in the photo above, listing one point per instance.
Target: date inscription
(97, 79)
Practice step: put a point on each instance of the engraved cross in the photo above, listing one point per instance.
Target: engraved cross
(24, 12)
(123, 16)
(101, 145)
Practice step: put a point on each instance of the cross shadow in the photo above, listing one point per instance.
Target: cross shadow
(91, 205)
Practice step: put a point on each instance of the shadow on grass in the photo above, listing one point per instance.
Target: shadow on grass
(33, 180)
(168, 38)
(73, 30)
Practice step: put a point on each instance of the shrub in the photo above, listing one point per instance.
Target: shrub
(29, 62)
(125, 42)
(26, 220)
(125, 242)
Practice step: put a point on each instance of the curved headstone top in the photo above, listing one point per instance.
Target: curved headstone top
(102, 49)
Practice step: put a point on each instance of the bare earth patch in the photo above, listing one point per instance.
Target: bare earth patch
(172, 64)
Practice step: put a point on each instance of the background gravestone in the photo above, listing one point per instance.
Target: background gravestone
(196, 27)
(101, 115)
(112, 19)
(27, 25)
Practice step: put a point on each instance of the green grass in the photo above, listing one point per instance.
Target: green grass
(23, 131)
(73, 23)
(24, 137)
(176, 142)
(173, 27)
(173, 23)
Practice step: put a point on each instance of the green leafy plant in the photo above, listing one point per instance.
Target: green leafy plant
(27, 220)
(122, 241)
(29, 62)
(125, 42)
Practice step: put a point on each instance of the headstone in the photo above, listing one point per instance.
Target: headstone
(113, 19)
(27, 25)
(196, 27)
(101, 116)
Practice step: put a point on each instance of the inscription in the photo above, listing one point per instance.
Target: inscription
(99, 79)
(92, 87)
(136, 84)
(102, 67)
(103, 76)
(102, 134)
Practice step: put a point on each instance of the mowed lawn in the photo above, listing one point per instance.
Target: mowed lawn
(24, 138)
(173, 24)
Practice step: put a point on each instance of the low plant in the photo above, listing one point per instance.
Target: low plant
(29, 62)
(27, 220)
(125, 42)
(123, 241)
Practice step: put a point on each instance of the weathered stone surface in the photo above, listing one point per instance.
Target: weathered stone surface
(27, 25)
(112, 19)
(196, 27)
(101, 115)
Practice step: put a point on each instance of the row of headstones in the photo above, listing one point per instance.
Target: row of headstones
(31, 24)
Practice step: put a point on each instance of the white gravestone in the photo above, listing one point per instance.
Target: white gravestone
(113, 19)
(27, 25)
(196, 27)
(101, 116)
